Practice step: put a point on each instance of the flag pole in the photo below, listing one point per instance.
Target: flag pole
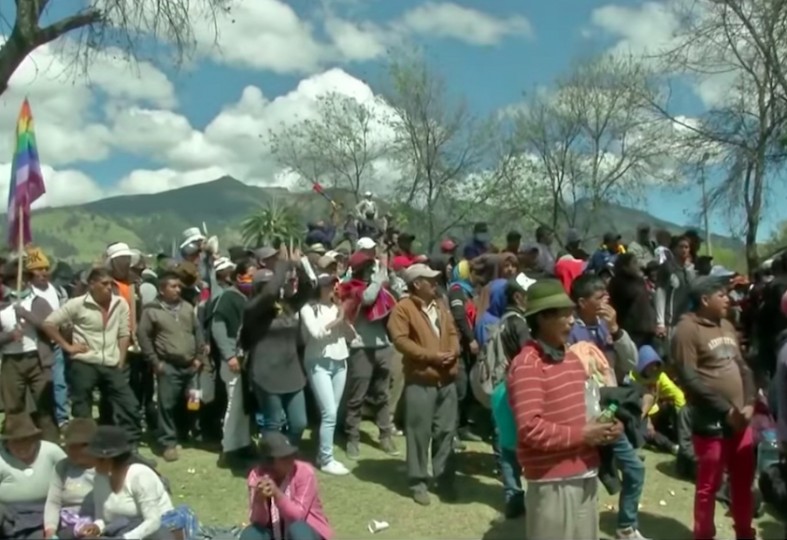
(20, 249)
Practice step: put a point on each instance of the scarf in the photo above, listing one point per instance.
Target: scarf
(460, 277)
(350, 293)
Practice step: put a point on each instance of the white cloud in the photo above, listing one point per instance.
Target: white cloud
(63, 187)
(233, 143)
(645, 29)
(120, 107)
(449, 20)
(68, 127)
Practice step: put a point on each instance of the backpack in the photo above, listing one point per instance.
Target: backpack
(491, 366)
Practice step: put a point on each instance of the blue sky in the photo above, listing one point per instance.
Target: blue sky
(491, 75)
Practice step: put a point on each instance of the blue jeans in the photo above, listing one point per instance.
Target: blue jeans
(633, 472)
(327, 378)
(511, 474)
(60, 386)
(298, 530)
(283, 410)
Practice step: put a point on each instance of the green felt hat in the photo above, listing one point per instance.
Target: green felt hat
(546, 294)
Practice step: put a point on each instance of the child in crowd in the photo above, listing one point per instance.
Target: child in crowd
(662, 400)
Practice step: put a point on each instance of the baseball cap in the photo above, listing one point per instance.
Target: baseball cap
(447, 246)
(366, 243)
(417, 271)
(359, 259)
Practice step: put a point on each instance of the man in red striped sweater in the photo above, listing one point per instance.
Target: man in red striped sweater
(555, 406)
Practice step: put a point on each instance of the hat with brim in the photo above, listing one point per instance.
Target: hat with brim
(316, 248)
(19, 426)
(191, 236)
(366, 243)
(109, 442)
(80, 431)
(419, 271)
(265, 252)
(276, 445)
(118, 249)
(546, 294)
(326, 280)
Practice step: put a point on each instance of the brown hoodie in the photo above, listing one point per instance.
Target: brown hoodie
(708, 357)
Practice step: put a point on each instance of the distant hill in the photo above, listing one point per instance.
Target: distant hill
(151, 222)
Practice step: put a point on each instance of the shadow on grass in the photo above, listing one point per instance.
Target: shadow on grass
(772, 530)
(667, 468)
(505, 529)
(388, 474)
(649, 524)
(477, 463)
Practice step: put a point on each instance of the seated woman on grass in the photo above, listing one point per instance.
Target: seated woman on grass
(26, 464)
(284, 500)
(72, 483)
(129, 497)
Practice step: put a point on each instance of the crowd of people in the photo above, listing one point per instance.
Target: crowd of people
(566, 361)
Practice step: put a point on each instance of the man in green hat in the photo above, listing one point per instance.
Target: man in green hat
(557, 433)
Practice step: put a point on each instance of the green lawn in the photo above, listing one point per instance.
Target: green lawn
(377, 489)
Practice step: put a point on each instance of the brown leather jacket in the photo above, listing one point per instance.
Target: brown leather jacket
(413, 335)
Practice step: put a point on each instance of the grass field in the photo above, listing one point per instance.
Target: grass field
(377, 489)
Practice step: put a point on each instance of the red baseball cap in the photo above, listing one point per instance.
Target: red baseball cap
(447, 245)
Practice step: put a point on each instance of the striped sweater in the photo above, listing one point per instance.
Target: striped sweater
(547, 398)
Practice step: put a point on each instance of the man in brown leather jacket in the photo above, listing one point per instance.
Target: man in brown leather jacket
(423, 330)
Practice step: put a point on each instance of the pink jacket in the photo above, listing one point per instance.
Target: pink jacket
(303, 503)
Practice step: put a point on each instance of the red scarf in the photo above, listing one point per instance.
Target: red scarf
(350, 293)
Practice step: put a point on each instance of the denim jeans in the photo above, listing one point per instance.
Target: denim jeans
(510, 472)
(60, 386)
(283, 410)
(633, 472)
(326, 378)
(298, 530)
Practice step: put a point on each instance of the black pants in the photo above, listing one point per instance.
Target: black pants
(173, 385)
(369, 380)
(429, 428)
(114, 388)
(142, 381)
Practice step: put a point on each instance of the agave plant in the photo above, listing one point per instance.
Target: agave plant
(271, 221)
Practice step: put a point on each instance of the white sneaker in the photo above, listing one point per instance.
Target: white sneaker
(335, 468)
(629, 533)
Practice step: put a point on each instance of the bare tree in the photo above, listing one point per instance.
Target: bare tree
(589, 141)
(338, 147)
(98, 23)
(741, 47)
(446, 155)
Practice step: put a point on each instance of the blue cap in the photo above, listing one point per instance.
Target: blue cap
(647, 356)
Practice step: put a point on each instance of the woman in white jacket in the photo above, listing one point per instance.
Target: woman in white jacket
(325, 359)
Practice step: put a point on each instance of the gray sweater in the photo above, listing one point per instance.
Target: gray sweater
(68, 488)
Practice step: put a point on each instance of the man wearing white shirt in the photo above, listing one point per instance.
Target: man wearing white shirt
(27, 354)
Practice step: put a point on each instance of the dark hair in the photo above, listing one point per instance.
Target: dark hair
(166, 276)
(242, 267)
(542, 231)
(513, 236)
(161, 256)
(532, 321)
(586, 286)
(512, 287)
(678, 239)
(98, 273)
(623, 261)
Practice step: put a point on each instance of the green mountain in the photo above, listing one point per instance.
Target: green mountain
(152, 222)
